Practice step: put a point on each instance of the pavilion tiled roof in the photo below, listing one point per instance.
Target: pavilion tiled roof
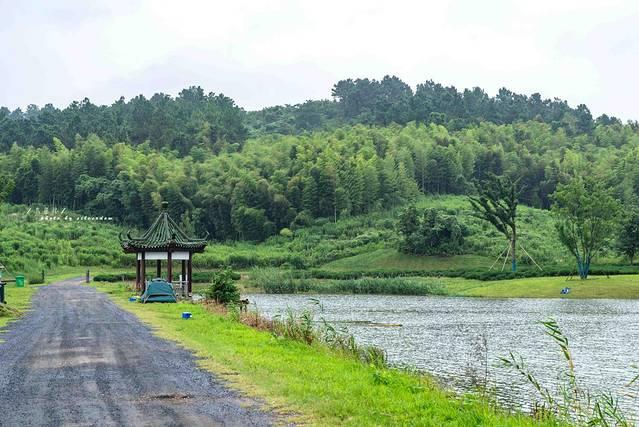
(164, 234)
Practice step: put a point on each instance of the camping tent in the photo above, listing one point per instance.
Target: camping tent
(158, 290)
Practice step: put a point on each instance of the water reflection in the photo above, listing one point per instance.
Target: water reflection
(452, 337)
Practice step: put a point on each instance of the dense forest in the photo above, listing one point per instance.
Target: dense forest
(391, 100)
(247, 176)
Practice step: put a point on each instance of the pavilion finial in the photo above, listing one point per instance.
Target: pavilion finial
(165, 206)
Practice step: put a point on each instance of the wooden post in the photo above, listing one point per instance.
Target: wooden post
(190, 274)
(158, 270)
(143, 288)
(137, 273)
(169, 267)
(183, 274)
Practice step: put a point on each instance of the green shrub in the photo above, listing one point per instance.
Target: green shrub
(274, 281)
(286, 232)
(430, 232)
(35, 280)
(222, 288)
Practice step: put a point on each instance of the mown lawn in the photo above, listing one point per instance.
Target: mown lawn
(316, 385)
(391, 259)
(622, 286)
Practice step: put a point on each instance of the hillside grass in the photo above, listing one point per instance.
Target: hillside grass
(29, 245)
(316, 385)
(391, 259)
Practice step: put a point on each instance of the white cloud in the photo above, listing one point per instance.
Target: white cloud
(271, 52)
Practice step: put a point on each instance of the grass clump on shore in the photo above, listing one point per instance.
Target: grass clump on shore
(304, 327)
(320, 385)
(273, 281)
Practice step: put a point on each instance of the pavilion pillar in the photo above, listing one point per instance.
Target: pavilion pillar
(143, 271)
(169, 267)
(158, 269)
(190, 274)
(183, 271)
(137, 273)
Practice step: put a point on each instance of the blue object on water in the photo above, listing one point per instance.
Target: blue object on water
(186, 315)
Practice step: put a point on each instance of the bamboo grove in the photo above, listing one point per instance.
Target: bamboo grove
(222, 170)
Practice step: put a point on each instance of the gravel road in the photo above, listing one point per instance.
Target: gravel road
(78, 359)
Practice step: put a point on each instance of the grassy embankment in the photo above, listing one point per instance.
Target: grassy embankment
(317, 385)
(613, 286)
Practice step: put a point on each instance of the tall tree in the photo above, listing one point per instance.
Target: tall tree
(6, 187)
(587, 216)
(496, 203)
(628, 240)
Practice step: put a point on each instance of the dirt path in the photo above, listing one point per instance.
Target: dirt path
(78, 359)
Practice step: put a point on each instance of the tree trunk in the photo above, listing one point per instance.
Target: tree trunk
(583, 266)
(586, 268)
(513, 248)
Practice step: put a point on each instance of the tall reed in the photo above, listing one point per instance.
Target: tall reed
(304, 327)
(570, 403)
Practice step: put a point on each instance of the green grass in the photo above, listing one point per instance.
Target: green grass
(391, 259)
(366, 285)
(319, 386)
(18, 299)
(622, 286)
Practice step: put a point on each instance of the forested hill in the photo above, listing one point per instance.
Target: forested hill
(194, 118)
(123, 160)
(390, 100)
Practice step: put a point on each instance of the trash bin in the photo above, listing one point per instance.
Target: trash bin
(20, 281)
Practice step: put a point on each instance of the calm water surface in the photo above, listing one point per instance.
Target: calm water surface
(443, 336)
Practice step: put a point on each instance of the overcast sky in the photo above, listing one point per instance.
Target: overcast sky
(264, 52)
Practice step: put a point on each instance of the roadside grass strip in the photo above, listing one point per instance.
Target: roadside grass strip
(18, 301)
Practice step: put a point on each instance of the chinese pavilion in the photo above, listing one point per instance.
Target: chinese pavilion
(163, 241)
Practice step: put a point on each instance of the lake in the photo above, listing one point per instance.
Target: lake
(452, 337)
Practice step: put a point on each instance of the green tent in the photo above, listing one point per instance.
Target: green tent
(158, 290)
